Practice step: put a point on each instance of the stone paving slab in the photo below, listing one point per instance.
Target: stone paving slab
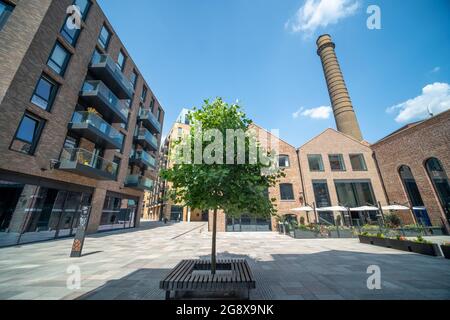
(129, 265)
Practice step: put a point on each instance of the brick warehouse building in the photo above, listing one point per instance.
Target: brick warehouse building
(79, 124)
(414, 163)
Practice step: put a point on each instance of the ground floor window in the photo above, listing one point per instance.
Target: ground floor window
(118, 213)
(248, 224)
(353, 194)
(176, 213)
(30, 213)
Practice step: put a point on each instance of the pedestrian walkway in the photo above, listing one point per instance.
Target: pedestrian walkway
(129, 265)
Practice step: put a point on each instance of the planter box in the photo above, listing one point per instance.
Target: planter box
(304, 234)
(365, 239)
(381, 242)
(423, 248)
(446, 251)
(402, 245)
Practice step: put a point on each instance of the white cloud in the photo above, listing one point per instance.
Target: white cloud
(434, 96)
(322, 112)
(320, 13)
(436, 69)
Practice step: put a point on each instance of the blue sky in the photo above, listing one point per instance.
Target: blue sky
(263, 53)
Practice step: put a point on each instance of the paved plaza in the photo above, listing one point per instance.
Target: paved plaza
(130, 264)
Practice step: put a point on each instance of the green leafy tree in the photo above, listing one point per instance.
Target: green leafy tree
(233, 188)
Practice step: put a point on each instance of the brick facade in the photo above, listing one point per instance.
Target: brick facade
(26, 42)
(412, 146)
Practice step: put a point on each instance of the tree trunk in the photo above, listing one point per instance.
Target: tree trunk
(213, 251)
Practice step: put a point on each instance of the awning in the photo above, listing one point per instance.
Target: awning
(335, 208)
(395, 207)
(365, 208)
(420, 208)
(307, 208)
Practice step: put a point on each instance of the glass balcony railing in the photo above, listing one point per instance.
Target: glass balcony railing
(105, 68)
(139, 182)
(143, 157)
(86, 163)
(98, 94)
(149, 120)
(147, 139)
(91, 126)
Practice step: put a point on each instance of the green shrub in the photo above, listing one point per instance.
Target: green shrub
(393, 220)
(420, 239)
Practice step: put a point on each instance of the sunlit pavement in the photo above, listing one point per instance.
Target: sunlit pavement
(129, 265)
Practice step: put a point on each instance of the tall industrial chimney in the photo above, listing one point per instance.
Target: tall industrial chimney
(344, 114)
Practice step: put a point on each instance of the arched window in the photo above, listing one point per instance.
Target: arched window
(440, 182)
(411, 186)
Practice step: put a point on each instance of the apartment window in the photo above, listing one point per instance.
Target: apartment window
(133, 79)
(27, 134)
(152, 105)
(104, 38)
(358, 162)
(59, 59)
(315, 162)
(121, 60)
(84, 6)
(286, 191)
(283, 161)
(5, 12)
(144, 94)
(70, 35)
(336, 162)
(44, 93)
(158, 115)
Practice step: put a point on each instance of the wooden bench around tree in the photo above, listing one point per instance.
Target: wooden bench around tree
(194, 277)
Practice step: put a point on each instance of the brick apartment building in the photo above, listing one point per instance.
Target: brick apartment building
(414, 162)
(79, 124)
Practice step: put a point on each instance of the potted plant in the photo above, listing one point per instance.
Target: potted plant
(422, 246)
(446, 249)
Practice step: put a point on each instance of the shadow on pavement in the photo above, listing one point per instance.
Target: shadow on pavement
(329, 275)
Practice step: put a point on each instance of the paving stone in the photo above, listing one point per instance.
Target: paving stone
(129, 265)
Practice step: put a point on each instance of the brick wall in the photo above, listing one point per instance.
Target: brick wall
(412, 147)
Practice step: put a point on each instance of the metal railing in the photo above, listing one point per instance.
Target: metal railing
(144, 156)
(147, 136)
(86, 158)
(101, 89)
(147, 114)
(97, 122)
(139, 181)
(114, 68)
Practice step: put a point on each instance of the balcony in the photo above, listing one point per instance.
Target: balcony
(142, 158)
(105, 69)
(146, 139)
(97, 94)
(87, 164)
(149, 120)
(139, 182)
(94, 128)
